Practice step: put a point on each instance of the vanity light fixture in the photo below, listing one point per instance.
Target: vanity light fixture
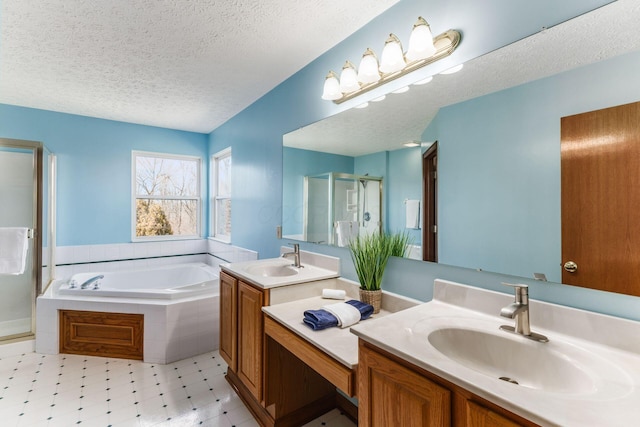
(378, 99)
(363, 105)
(423, 50)
(412, 144)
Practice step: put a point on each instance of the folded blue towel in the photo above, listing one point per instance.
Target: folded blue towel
(322, 319)
(319, 319)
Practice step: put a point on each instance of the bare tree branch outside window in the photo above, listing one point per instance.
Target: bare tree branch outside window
(167, 195)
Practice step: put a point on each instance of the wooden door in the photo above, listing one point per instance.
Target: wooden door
(250, 338)
(392, 395)
(430, 208)
(600, 166)
(228, 320)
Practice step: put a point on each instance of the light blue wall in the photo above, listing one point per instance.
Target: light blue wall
(404, 182)
(298, 164)
(94, 167)
(256, 136)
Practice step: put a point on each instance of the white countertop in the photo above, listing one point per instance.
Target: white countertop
(613, 403)
(336, 342)
(307, 273)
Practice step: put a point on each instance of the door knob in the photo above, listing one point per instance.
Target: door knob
(570, 266)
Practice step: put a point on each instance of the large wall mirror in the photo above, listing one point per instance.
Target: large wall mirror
(497, 124)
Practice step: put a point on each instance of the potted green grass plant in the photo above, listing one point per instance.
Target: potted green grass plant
(370, 253)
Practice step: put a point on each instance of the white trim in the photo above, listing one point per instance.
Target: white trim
(214, 197)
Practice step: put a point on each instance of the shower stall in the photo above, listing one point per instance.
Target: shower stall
(340, 206)
(27, 237)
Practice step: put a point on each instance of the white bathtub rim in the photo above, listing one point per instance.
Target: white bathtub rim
(162, 296)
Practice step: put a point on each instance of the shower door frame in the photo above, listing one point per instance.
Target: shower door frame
(331, 178)
(38, 151)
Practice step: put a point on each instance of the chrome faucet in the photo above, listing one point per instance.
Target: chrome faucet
(519, 310)
(95, 279)
(295, 254)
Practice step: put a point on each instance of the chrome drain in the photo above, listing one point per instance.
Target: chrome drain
(509, 380)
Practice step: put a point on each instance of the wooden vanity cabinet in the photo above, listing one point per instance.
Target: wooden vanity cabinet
(250, 338)
(241, 334)
(228, 320)
(393, 392)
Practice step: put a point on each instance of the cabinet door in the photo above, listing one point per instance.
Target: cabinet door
(250, 327)
(228, 320)
(479, 416)
(392, 395)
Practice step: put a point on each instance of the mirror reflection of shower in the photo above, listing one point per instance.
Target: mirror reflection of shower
(369, 204)
(366, 216)
(340, 206)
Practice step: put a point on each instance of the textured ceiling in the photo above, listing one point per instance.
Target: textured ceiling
(604, 33)
(182, 64)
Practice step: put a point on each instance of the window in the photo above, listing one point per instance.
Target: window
(166, 191)
(221, 195)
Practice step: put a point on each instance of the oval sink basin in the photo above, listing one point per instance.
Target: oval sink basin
(513, 359)
(272, 270)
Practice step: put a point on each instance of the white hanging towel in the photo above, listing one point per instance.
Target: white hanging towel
(413, 214)
(344, 232)
(14, 244)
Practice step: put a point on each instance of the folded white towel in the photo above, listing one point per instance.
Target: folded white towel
(413, 214)
(14, 244)
(333, 294)
(346, 314)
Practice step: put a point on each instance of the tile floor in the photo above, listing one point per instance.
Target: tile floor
(68, 390)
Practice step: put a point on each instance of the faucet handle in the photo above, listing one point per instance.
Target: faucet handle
(521, 290)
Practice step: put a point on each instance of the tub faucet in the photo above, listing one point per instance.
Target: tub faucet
(295, 254)
(519, 310)
(88, 282)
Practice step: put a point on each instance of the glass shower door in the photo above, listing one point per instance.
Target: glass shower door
(18, 209)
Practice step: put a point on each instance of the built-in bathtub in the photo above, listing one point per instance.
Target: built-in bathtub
(168, 282)
(180, 304)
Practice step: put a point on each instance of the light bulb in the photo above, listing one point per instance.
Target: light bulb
(331, 90)
(348, 78)
(368, 69)
(392, 57)
(421, 41)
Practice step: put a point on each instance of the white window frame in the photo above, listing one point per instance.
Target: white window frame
(197, 197)
(215, 196)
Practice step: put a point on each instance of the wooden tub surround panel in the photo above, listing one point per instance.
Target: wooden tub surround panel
(91, 333)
